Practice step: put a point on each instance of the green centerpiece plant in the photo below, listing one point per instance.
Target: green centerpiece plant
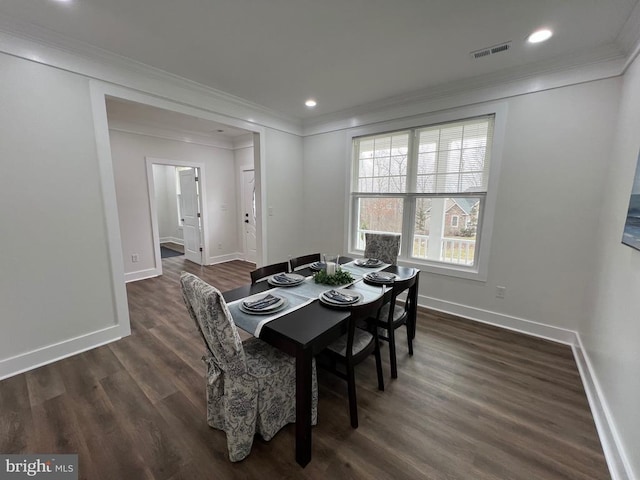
(341, 277)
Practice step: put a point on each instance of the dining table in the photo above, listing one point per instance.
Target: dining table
(305, 331)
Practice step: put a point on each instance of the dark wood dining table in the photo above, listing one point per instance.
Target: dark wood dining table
(305, 332)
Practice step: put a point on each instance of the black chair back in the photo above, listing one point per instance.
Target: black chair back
(268, 270)
(304, 260)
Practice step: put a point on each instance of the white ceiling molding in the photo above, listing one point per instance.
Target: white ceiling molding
(590, 66)
(48, 48)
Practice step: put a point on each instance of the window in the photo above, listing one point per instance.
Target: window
(428, 184)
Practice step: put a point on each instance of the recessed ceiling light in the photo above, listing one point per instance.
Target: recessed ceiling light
(540, 36)
(311, 103)
(63, 1)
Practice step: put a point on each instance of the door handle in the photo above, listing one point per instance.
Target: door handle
(246, 221)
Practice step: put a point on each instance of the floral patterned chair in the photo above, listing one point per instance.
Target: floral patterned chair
(384, 246)
(251, 386)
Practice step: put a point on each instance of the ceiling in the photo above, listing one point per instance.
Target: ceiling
(132, 116)
(344, 53)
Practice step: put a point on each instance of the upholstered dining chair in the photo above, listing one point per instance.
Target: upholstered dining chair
(392, 316)
(352, 348)
(263, 272)
(251, 386)
(303, 260)
(384, 246)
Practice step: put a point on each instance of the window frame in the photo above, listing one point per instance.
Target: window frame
(487, 200)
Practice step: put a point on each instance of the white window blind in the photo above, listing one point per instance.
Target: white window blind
(453, 158)
(382, 163)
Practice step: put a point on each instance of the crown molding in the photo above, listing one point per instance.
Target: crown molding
(43, 46)
(586, 66)
(49, 48)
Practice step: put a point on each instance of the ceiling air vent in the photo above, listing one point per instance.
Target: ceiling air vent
(485, 52)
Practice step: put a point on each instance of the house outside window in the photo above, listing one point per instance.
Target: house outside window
(429, 184)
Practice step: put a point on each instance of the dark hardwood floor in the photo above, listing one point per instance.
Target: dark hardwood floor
(173, 246)
(474, 402)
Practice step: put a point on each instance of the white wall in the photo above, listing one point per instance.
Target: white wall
(284, 206)
(555, 155)
(62, 289)
(611, 330)
(129, 152)
(164, 178)
(56, 293)
(325, 188)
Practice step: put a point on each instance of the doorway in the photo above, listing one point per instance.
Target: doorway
(190, 208)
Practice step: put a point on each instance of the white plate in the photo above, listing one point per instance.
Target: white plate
(257, 297)
(389, 277)
(298, 279)
(351, 293)
(362, 262)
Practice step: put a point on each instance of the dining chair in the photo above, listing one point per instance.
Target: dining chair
(392, 316)
(384, 246)
(251, 386)
(303, 260)
(352, 348)
(263, 272)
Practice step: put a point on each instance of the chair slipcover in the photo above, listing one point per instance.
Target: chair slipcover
(384, 246)
(251, 387)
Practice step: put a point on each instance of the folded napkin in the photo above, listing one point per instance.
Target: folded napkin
(283, 278)
(381, 276)
(340, 297)
(372, 261)
(263, 303)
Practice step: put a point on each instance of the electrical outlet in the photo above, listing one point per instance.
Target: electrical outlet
(500, 291)
(135, 258)
(220, 246)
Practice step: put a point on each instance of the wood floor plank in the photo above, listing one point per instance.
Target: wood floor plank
(473, 402)
(44, 383)
(153, 439)
(112, 449)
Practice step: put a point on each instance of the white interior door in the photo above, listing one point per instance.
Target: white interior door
(249, 214)
(190, 206)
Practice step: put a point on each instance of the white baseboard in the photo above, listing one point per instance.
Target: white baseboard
(177, 240)
(619, 466)
(141, 274)
(225, 258)
(521, 325)
(617, 461)
(52, 353)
